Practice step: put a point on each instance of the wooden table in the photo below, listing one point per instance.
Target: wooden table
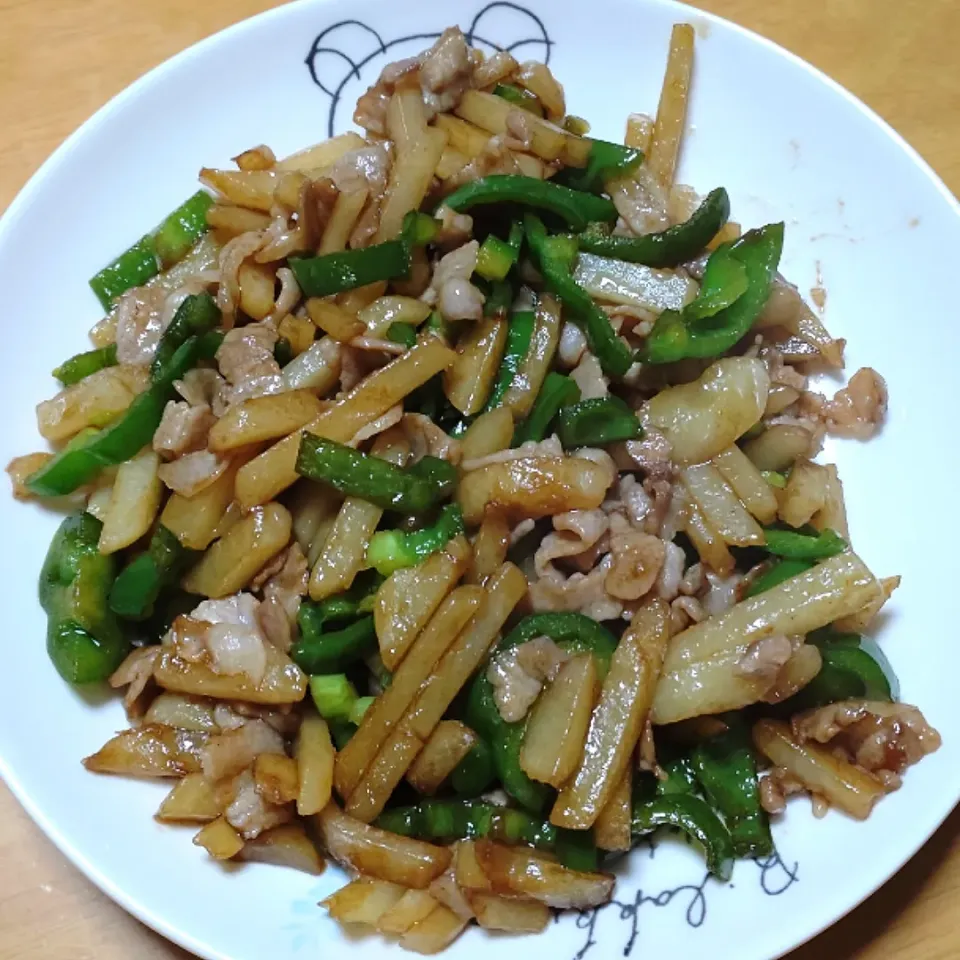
(60, 60)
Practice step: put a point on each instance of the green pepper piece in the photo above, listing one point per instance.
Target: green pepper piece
(680, 779)
(519, 334)
(557, 391)
(573, 633)
(90, 451)
(519, 97)
(419, 229)
(175, 237)
(283, 351)
(360, 706)
(575, 207)
(495, 258)
(499, 297)
(783, 570)
(695, 818)
(348, 605)
(727, 770)
(775, 479)
(341, 730)
(81, 365)
(475, 772)
(136, 589)
(333, 695)
(669, 247)
(577, 850)
(167, 245)
(675, 336)
(391, 550)
(797, 545)
(724, 282)
(197, 315)
(84, 639)
(318, 653)
(355, 474)
(555, 256)
(335, 272)
(405, 333)
(606, 160)
(597, 421)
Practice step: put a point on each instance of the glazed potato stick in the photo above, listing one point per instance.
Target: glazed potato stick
(263, 418)
(391, 763)
(386, 711)
(618, 719)
(612, 829)
(275, 469)
(748, 483)
(503, 592)
(314, 754)
(720, 507)
(672, 112)
(449, 743)
(408, 598)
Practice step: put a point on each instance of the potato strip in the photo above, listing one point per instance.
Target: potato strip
(672, 111)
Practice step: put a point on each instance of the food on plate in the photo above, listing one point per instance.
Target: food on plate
(445, 502)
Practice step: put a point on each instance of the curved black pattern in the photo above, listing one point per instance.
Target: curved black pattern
(324, 46)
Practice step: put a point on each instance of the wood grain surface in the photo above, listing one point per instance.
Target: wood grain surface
(62, 59)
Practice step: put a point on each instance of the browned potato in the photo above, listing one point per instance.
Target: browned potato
(523, 872)
(219, 839)
(532, 487)
(379, 853)
(134, 502)
(232, 221)
(246, 188)
(192, 800)
(276, 777)
(509, 914)
(805, 493)
(275, 469)
(322, 155)
(283, 682)
(285, 846)
(709, 544)
(672, 111)
(232, 562)
(258, 283)
(467, 869)
(149, 751)
(391, 763)
(748, 483)
(263, 418)
(612, 829)
(314, 755)
(435, 932)
(354, 759)
(490, 547)
(449, 743)
(504, 591)
(850, 788)
(363, 901)
(411, 908)
(408, 598)
(557, 727)
(720, 506)
(489, 433)
(332, 319)
(618, 719)
(468, 382)
(187, 713)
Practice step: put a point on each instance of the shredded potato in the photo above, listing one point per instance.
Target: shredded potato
(672, 112)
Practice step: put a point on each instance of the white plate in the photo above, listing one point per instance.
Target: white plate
(787, 143)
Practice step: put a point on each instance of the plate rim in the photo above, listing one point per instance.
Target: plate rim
(937, 813)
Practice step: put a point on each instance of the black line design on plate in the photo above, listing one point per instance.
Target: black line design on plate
(326, 45)
(775, 878)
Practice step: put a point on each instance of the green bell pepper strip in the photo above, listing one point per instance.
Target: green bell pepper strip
(680, 779)
(419, 229)
(283, 351)
(325, 653)
(727, 771)
(138, 585)
(355, 474)
(349, 605)
(197, 315)
(519, 335)
(447, 820)
(90, 451)
(675, 336)
(391, 550)
(854, 668)
(335, 272)
(81, 365)
(360, 706)
(724, 283)
(557, 391)
(775, 479)
(334, 696)
(495, 258)
(555, 256)
(341, 730)
(695, 818)
(405, 333)
(519, 98)
(669, 247)
(499, 296)
(606, 160)
(156, 251)
(573, 206)
(796, 545)
(777, 574)
(475, 772)
(596, 422)
(573, 633)
(84, 639)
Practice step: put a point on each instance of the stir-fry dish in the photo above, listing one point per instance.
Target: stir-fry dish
(445, 501)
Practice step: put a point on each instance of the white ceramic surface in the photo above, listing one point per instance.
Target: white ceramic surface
(860, 206)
